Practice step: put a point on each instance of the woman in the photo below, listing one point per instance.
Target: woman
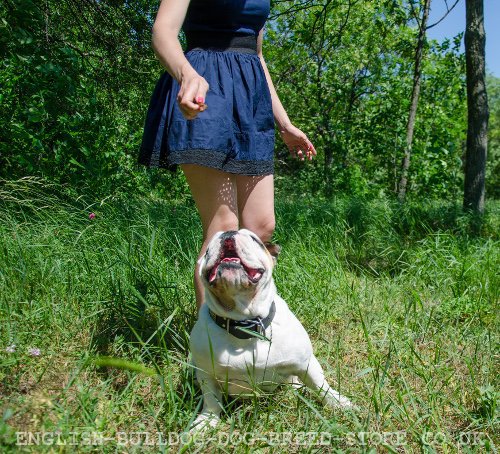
(212, 114)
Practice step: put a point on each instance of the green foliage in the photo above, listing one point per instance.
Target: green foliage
(345, 75)
(72, 104)
(493, 165)
(77, 76)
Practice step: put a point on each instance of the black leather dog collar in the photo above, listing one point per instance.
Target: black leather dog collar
(244, 329)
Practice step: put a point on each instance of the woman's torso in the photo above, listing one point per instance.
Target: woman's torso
(245, 17)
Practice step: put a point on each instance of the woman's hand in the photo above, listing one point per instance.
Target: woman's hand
(297, 142)
(192, 93)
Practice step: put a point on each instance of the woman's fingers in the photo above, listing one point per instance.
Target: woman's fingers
(308, 146)
(201, 94)
(311, 151)
(191, 98)
(302, 151)
(298, 143)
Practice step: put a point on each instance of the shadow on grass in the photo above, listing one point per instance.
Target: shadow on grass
(146, 315)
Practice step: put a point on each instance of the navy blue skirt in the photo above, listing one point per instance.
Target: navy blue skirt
(234, 134)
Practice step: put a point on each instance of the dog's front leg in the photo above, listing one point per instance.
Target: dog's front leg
(212, 397)
(314, 378)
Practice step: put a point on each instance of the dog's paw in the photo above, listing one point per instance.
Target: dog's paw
(335, 400)
(204, 422)
(294, 382)
(198, 431)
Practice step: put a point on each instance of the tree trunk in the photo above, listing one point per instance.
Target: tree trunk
(477, 105)
(403, 182)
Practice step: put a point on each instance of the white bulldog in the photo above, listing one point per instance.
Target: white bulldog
(246, 337)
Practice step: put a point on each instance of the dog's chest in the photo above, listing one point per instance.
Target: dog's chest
(243, 364)
(243, 369)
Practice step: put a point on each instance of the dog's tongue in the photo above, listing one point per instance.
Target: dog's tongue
(213, 273)
(253, 273)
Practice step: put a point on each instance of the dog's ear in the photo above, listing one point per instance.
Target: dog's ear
(273, 249)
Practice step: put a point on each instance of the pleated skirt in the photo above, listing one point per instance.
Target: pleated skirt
(234, 134)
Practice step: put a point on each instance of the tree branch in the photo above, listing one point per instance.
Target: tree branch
(448, 11)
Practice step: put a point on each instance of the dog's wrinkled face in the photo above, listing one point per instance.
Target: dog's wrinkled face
(236, 267)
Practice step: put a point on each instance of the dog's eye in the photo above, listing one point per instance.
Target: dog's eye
(258, 242)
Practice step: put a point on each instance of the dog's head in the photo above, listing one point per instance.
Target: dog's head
(237, 272)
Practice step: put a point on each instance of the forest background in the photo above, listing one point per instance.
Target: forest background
(77, 76)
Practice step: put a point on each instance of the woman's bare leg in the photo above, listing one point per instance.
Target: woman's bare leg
(255, 196)
(214, 193)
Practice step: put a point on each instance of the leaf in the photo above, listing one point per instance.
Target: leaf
(119, 363)
(364, 371)
(75, 162)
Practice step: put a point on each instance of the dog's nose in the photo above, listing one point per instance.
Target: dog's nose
(227, 241)
(229, 244)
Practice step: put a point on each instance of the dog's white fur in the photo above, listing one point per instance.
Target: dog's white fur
(235, 366)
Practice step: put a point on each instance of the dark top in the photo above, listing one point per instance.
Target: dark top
(245, 17)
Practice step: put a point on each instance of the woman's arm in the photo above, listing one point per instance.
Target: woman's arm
(297, 142)
(193, 87)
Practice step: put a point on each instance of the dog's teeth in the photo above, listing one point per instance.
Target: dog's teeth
(231, 259)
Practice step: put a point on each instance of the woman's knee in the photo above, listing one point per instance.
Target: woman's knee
(263, 228)
(220, 224)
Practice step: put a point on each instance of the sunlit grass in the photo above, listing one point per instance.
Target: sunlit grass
(401, 304)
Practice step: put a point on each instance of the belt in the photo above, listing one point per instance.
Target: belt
(221, 42)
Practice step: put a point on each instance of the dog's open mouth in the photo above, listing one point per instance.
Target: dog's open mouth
(229, 258)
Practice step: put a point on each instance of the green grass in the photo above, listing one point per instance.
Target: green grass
(401, 304)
